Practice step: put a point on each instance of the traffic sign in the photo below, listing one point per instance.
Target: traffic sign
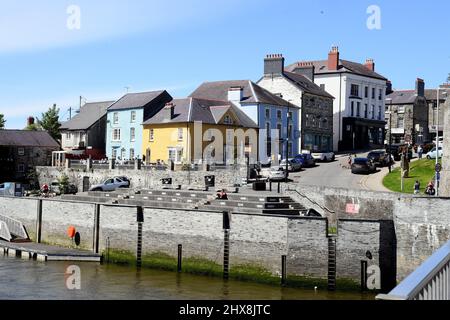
(438, 176)
(438, 167)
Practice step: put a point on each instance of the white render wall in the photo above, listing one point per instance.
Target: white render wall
(339, 86)
(74, 141)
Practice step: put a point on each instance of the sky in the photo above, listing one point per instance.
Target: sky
(54, 51)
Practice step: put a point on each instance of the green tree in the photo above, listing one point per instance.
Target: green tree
(63, 181)
(50, 122)
(2, 121)
(33, 127)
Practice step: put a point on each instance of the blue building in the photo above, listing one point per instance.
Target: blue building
(268, 110)
(124, 122)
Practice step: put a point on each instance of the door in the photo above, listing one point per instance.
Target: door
(85, 184)
(148, 154)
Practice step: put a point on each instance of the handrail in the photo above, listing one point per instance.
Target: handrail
(15, 227)
(430, 281)
(4, 231)
(312, 201)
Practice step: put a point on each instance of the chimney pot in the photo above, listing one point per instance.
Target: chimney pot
(333, 58)
(274, 65)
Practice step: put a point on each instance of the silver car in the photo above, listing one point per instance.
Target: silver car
(111, 185)
(293, 164)
(277, 173)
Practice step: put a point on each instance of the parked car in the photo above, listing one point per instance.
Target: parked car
(324, 156)
(363, 165)
(433, 153)
(306, 160)
(396, 149)
(110, 185)
(70, 189)
(125, 179)
(277, 173)
(293, 164)
(380, 158)
(11, 189)
(441, 141)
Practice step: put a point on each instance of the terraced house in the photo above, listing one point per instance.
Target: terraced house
(269, 111)
(124, 122)
(315, 129)
(170, 135)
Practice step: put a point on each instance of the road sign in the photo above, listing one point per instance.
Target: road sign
(438, 167)
(438, 176)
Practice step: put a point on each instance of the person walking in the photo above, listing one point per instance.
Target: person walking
(420, 151)
(417, 187)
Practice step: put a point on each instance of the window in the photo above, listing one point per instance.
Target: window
(267, 114)
(116, 118)
(355, 90)
(131, 154)
(290, 131)
(68, 136)
(21, 151)
(268, 129)
(114, 153)
(373, 111)
(380, 94)
(133, 116)
(132, 134)
(401, 109)
(366, 92)
(180, 134)
(173, 154)
(366, 110)
(373, 93)
(353, 109)
(379, 112)
(278, 114)
(21, 168)
(152, 134)
(358, 111)
(290, 115)
(116, 135)
(228, 120)
(400, 121)
(325, 123)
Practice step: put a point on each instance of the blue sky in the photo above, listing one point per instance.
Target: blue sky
(176, 45)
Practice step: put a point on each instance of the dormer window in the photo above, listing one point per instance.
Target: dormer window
(228, 120)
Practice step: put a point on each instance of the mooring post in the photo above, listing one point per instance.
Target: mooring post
(140, 221)
(96, 238)
(270, 185)
(279, 187)
(226, 245)
(363, 275)
(39, 222)
(180, 257)
(283, 270)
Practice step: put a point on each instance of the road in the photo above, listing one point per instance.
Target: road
(337, 174)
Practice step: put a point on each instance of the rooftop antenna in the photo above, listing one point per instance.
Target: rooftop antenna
(81, 103)
(127, 88)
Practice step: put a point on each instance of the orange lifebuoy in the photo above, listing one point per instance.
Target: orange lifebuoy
(71, 232)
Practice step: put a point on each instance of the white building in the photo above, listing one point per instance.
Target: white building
(359, 104)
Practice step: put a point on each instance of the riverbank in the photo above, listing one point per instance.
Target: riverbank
(244, 272)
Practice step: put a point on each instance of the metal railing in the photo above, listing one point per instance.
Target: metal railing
(431, 281)
(15, 227)
(4, 232)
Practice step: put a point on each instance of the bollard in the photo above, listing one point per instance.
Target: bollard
(226, 244)
(283, 270)
(39, 222)
(279, 187)
(270, 186)
(363, 275)
(180, 257)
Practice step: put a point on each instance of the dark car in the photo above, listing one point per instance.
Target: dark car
(306, 160)
(380, 158)
(363, 165)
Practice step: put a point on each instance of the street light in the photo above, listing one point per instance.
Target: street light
(437, 141)
(287, 145)
(390, 133)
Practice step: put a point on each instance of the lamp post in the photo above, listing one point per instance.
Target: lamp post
(437, 141)
(287, 145)
(390, 134)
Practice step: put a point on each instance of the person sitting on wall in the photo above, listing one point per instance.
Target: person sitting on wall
(45, 190)
(222, 195)
(430, 189)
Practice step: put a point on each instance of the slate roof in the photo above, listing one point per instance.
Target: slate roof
(306, 85)
(25, 138)
(135, 100)
(204, 110)
(89, 114)
(252, 93)
(321, 67)
(402, 97)
(431, 94)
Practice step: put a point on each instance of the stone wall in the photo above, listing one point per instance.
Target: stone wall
(445, 174)
(144, 178)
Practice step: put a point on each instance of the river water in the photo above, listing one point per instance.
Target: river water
(24, 279)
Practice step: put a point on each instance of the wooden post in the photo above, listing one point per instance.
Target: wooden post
(140, 221)
(283, 270)
(180, 257)
(96, 238)
(39, 222)
(363, 275)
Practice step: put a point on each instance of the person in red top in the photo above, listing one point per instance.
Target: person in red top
(45, 189)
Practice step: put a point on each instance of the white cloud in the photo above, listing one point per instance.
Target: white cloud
(30, 25)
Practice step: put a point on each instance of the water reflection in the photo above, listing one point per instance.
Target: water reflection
(20, 279)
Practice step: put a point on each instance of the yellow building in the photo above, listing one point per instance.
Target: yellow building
(182, 131)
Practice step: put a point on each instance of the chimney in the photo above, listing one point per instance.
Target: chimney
(420, 87)
(170, 110)
(235, 94)
(30, 121)
(389, 87)
(333, 59)
(274, 65)
(370, 64)
(306, 69)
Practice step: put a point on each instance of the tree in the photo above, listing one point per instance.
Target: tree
(33, 127)
(2, 121)
(50, 122)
